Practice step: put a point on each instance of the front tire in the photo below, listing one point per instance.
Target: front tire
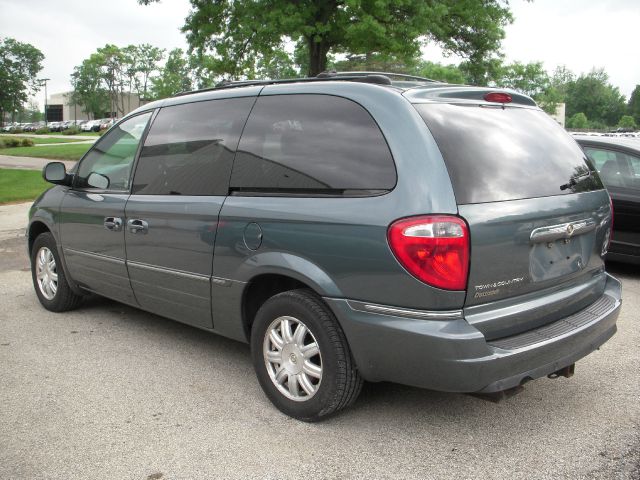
(302, 358)
(49, 279)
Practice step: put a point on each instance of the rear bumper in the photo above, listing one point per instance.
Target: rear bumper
(451, 355)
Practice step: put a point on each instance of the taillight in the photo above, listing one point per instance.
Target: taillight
(433, 248)
(498, 97)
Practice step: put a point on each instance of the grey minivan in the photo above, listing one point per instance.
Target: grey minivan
(349, 227)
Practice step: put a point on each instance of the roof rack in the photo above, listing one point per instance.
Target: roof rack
(378, 78)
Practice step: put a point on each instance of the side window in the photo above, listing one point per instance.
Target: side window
(617, 169)
(189, 149)
(311, 144)
(111, 159)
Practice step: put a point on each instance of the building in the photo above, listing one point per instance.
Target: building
(559, 114)
(60, 107)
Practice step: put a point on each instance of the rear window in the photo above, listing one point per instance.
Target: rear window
(496, 154)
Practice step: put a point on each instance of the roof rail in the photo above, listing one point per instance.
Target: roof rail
(390, 75)
(364, 77)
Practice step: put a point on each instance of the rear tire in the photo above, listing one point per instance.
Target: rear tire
(302, 358)
(49, 279)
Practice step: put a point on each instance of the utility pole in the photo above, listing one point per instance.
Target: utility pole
(45, 80)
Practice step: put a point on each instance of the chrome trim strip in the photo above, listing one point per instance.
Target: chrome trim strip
(169, 271)
(564, 230)
(405, 312)
(97, 256)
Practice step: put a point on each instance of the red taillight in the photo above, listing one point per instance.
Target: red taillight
(434, 249)
(499, 97)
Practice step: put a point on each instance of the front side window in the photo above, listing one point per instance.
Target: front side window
(189, 149)
(304, 144)
(108, 165)
(617, 169)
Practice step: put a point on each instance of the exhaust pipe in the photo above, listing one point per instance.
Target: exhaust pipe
(564, 372)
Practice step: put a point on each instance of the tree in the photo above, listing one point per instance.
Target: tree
(627, 121)
(633, 108)
(593, 95)
(530, 78)
(174, 78)
(148, 58)
(578, 120)
(442, 73)
(88, 91)
(237, 33)
(19, 67)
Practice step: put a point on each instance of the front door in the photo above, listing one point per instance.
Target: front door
(93, 212)
(180, 184)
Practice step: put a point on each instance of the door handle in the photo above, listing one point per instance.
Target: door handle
(113, 223)
(136, 225)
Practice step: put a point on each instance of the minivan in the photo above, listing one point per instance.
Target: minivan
(349, 227)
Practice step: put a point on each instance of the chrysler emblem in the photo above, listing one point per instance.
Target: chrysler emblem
(570, 229)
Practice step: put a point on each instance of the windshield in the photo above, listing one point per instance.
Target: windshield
(495, 154)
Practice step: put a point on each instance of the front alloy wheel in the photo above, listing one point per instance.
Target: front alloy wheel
(46, 273)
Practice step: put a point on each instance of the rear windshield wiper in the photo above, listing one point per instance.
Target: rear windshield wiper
(575, 180)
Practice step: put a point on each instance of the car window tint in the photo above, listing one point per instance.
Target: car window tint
(617, 169)
(189, 149)
(113, 155)
(496, 154)
(305, 143)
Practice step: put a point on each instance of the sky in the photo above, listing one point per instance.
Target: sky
(581, 34)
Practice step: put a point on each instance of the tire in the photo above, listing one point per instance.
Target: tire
(61, 298)
(280, 353)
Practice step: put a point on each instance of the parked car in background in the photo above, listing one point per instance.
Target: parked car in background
(91, 126)
(349, 228)
(107, 123)
(617, 160)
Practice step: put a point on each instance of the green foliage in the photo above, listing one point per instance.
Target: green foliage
(42, 131)
(593, 95)
(27, 142)
(101, 80)
(19, 67)
(71, 131)
(530, 78)
(442, 73)
(174, 77)
(16, 185)
(627, 121)
(633, 107)
(236, 39)
(578, 120)
(11, 142)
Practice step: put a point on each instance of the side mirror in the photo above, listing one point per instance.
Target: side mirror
(97, 180)
(55, 172)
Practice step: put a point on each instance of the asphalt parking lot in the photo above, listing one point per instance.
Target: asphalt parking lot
(109, 391)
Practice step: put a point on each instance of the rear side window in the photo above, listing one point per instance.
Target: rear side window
(617, 169)
(305, 144)
(496, 154)
(189, 149)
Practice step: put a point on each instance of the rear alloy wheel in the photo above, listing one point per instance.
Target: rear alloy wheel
(49, 279)
(301, 356)
(292, 358)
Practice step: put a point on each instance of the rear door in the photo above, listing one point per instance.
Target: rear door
(180, 184)
(537, 212)
(92, 212)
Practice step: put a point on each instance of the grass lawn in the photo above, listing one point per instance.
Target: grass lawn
(89, 134)
(18, 185)
(39, 140)
(56, 152)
